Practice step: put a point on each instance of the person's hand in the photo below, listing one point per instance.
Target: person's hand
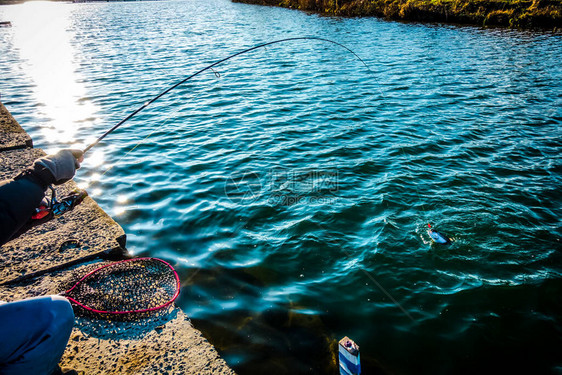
(78, 155)
(63, 164)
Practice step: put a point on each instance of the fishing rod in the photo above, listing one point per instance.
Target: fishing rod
(146, 104)
(54, 207)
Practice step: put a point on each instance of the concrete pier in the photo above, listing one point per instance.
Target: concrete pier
(49, 257)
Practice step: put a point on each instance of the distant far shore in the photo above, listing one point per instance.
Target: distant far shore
(525, 14)
(8, 2)
(508, 13)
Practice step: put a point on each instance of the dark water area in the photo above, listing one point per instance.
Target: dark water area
(292, 190)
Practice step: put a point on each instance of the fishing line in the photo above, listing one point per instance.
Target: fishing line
(162, 126)
(420, 201)
(417, 190)
(434, 235)
(210, 67)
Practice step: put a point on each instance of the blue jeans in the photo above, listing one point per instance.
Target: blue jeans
(33, 335)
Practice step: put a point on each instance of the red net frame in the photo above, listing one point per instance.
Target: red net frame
(166, 270)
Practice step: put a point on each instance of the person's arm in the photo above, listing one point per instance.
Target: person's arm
(20, 196)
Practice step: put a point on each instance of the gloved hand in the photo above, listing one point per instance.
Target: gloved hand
(62, 165)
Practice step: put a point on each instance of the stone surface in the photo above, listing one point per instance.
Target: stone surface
(12, 135)
(164, 344)
(91, 232)
(167, 345)
(14, 161)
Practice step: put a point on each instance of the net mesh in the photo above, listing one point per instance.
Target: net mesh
(136, 286)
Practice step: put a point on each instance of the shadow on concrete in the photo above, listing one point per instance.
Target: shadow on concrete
(104, 329)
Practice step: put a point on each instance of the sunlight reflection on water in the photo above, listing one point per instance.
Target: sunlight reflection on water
(450, 129)
(41, 33)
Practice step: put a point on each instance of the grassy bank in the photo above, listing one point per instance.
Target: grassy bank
(509, 13)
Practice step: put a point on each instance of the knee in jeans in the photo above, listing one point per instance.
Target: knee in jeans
(62, 312)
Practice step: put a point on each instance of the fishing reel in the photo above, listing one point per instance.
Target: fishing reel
(52, 207)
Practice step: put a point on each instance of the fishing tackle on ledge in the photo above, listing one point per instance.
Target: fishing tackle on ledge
(52, 207)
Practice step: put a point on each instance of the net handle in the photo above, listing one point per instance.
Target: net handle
(176, 294)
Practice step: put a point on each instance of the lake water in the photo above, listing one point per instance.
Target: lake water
(293, 188)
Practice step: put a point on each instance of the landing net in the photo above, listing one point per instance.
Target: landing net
(133, 286)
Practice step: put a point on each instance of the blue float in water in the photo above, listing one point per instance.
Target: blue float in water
(438, 237)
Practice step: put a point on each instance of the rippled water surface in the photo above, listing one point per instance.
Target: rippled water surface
(293, 188)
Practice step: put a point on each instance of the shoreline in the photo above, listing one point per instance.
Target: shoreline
(513, 14)
(50, 256)
(531, 14)
(16, 2)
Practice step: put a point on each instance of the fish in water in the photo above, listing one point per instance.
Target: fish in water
(437, 237)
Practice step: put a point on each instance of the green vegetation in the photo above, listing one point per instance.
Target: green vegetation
(511, 13)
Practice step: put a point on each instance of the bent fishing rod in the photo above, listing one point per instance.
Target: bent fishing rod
(209, 67)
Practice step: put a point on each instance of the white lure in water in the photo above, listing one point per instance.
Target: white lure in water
(438, 237)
